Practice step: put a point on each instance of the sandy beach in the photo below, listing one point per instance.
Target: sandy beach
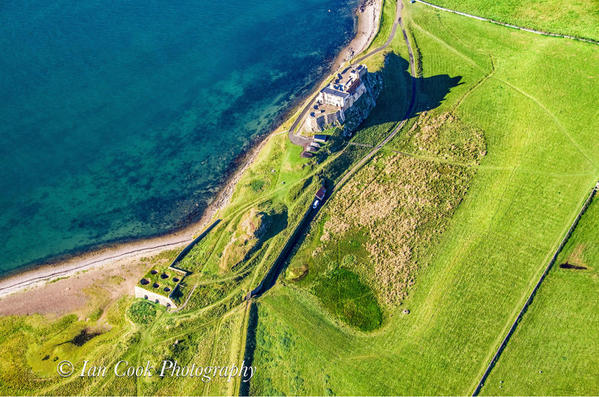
(119, 258)
(368, 14)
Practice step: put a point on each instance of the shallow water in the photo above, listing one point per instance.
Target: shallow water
(119, 119)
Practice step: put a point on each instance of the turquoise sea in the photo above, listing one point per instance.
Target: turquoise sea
(119, 119)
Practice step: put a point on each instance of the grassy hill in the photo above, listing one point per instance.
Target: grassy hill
(532, 97)
(576, 18)
(554, 349)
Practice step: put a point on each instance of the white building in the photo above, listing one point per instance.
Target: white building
(334, 99)
(332, 96)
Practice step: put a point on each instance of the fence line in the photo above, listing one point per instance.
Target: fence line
(534, 291)
(509, 25)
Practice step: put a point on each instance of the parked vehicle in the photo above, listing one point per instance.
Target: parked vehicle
(321, 193)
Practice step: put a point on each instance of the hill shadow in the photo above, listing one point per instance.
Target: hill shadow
(277, 222)
(250, 348)
(396, 100)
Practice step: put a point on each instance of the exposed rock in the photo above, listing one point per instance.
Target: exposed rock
(355, 115)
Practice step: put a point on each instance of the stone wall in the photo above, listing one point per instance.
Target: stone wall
(154, 297)
(373, 83)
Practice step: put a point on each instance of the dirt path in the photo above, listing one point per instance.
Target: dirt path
(398, 127)
(303, 141)
(565, 36)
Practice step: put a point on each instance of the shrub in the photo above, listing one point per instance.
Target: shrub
(142, 312)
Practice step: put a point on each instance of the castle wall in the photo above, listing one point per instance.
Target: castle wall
(353, 88)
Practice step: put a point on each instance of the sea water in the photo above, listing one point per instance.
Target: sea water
(120, 119)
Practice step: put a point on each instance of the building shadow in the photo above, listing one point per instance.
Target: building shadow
(397, 100)
(402, 97)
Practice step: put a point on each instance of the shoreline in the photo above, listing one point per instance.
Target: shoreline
(368, 14)
(368, 19)
(36, 275)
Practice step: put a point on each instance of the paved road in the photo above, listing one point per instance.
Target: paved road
(275, 270)
(277, 267)
(410, 109)
(389, 39)
(565, 36)
(303, 141)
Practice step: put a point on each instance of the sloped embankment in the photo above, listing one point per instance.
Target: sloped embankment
(376, 227)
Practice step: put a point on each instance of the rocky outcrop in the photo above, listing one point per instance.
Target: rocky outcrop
(355, 115)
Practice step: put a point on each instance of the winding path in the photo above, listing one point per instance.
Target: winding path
(304, 141)
(271, 277)
(398, 127)
(8, 286)
(509, 25)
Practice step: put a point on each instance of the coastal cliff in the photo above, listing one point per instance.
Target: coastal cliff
(355, 115)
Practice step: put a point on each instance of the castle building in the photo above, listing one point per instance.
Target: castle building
(334, 99)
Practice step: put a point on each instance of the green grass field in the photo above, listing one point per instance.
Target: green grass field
(412, 272)
(387, 18)
(554, 349)
(210, 326)
(533, 99)
(576, 18)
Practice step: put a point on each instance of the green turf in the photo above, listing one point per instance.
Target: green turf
(534, 99)
(142, 312)
(343, 294)
(554, 349)
(385, 24)
(164, 278)
(576, 18)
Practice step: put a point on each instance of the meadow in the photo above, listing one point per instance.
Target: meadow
(532, 100)
(576, 18)
(554, 349)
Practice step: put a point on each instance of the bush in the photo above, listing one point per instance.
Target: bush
(257, 185)
(142, 312)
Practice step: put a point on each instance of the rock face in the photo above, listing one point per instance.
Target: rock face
(355, 115)
(346, 101)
